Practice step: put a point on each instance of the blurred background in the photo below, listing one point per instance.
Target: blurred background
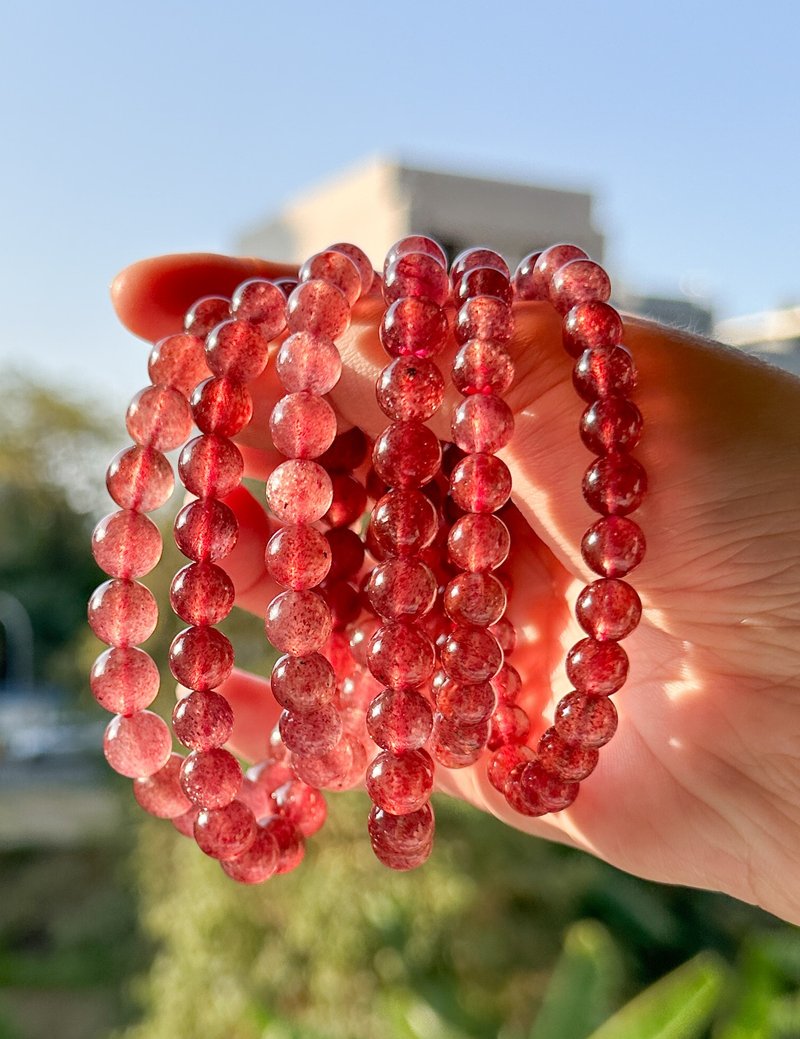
(664, 139)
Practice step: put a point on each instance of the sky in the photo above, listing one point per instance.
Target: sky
(130, 130)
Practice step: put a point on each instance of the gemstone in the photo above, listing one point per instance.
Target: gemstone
(611, 424)
(160, 794)
(347, 553)
(205, 313)
(458, 737)
(414, 327)
(477, 256)
(416, 243)
(126, 544)
(320, 308)
(159, 417)
(308, 362)
(538, 786)
(483, 281)
(404, 522)
(613, 546)
(510, 724)
(258, 863)
(568, 761)
(527, 285)
(122, 612)
(410, 388)
(507, 683)
(302, 805)
(349, 501)
(484, 317)
(399, 720)
(311, 733)
(124, 680)
(407, 454)
(548, 263)
(291, 846)
(517, 798)
(471, 655)
(206, 530)
(401, 588)
(482, 366)
(301, 683)
(298, 557)
(597, 668)
(261, 303)
(347, 452)
(482, 423)
(298, 622)
(505, 633)
(201, 593)
(400, 783)
(140, 478)
(401, 841)
(603, 373)
(302, 425)
(210, 466)
(211, 778)
(480, 483)
(299, 491)
(504, 760)
(238, 350)
(221, 406)
(473, 598)
(225, 833)
(591, 325)
(203, 720)
(579, 281)
(466, 704)
(400, 656)
(137, 744)
(608, 609)
(614, 484)
(590, 721)
(337, 269)
(178, 361)
(360, 259)
(201, 658)
(418, 276)
(479, 542)
(340, 769)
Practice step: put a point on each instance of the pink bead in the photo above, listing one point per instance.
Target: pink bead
(590, 721)
(299, 491)
(210, 466)
(504, 760)
(482, 423)
(258, 863)
(416, 275)
(414, 327)
(400, 656)
(568, 761)
(597, 668)
(221, 406)
(201, 593)
(484, 317)
(399, 840)
(507, 683)
(611, 424)
(201, 658)
(206, 530)
(480, 483)
(483, 281)
(401, 588)
(349, 501)
(479, 542)
(465, 704)
(302, 805)
(348, 451)
(548, 263)
(615, 484)
(510, 724)
(137, 744)
(298, 622)
(140, 478)
(579, 281)
(261, 303)
(344, 602)
(298, 557)
(160, 794)
(416, 243)
(303, 683)
(613, 546)
(184, 824)
(260, 783)
(471, 655)
(406, 454)
(540, 787)
(291, 845)
(528, 286)
(211, 778)
(308, 362)
(608, 609)
(399, 720)
(159, 417)
(237, 350)
(320, 308)
(302, 425)
(506, 634)
(404, 522)
(410, 388)
(126, 544)
(225, 833)
(478, 599)
(124, 680)
(482, 366)
(458, 739)
(203, 720)
(311, 733)
(205, 313)
(122, 613)
(474, 257)
(591, 325)
(517, 799)
(347, 552)
(360, 259)
(400, 783)
(602, 373)
(286, 285)
(179, 361)
(335, 268)
(336, 770)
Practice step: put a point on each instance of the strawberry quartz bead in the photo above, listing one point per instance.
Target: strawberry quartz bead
(348, 503)
(159, 417)
(410, 388)
(360, 259)
(126, 544)
(204, 314)
(161, 794)
(483, 281)
(472, 598)
(201, 658)
(484, 317)
(482, 366)
(399, 720)
(401, 842)
(611, 424)
(526, 285)
(591, 325)
(504, 760)
(608, 609)
(225, 833)
(308, 362)
(311, 733)
(416, 244)
(184, 824)
(480, 483)
(459, 739)
(615, 484)
(340, 769)
(465, 704)
(482, 423)
(590, 721)
(347, 553)
(303, 683)
(320, 308)
(548, 263)
(302, 805)
(413, 327)
(336, 269)
(291, 845)
(298, 557)
(479, 542)
(258, 863)
(568, 761)
(401, 588)
(140, 478)
(507, 683)
(505, 633)
(404, 522)
(471, 258)
(124, 680)
(211, 778)
(298, 622)
(122, 613)
(302, 425)
(261, 303)
(137, 744)
(400, 783)
(299, 491)
(210, 466)
(510, 724)
(400, 656)
(206, 530)
(286, 285)
(613, 546)
(579, 281)
(597, 668)
(543, 791)
(344, 602)
(602, 373)
(417, 276)
(203, 720)
(407, 454)
(201, 593)
(179, 361)
(237, 350)
(348, 451)
(221, 406)
(471, 655)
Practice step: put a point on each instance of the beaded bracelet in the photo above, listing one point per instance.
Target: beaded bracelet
(413, 661)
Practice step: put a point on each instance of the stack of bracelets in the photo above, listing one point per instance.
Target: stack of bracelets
(408, 662)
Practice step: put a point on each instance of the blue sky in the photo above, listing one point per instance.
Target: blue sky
(128, 131)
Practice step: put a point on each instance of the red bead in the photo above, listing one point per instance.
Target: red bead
(298, 622)
(159, 417)
(344, 602)
(615, 484)
(608, 609)
(399, 840)
(347, 552)
(613, 546)
(201, 593)
(506, 634)
(510, 724)
(465, 704)
(547, 263)
(587, 720)
(203, 720)
(291, 846)
(205, 313)
(569, 761)
(474, 257)
(335, 268)
(407, 454)
(184, 824)
(517, 799)
(591, 325)
(539, 787)
(302, 425)
(603, 373)
(455, 739)
(579, 281)
(225, 833)
(471, 655)
(286, 285)
(480, 483)
(347, 452)
(340, 769)
(303, 683)
(206, 530)
(124, 680)
(401, 588)
(299, 491)
(311, 733)
(237, 350)
(122, 613)
(320, 308)
(416, 243)
(126, 544)
(404, 522)
(479, 542)
(483, 281)
(211, 778)
(410, 388)
(349, 501)
(414, 327)
(597, 668)
(527, 285)
(504, 760)
(484, 317)
(140, 478)
(400, 783)
(482, 366)
(221, 406)
(400, 656)
(507, 683)
(298, 557)
(478, 599)
(308, 362)
(261, 303)
(160, 794)
(399, 720)
(360, 259)
(611, 424)
(137, 744)
(302, 805)
(210, 466)
(258, 863)
(179, 361)
(482, 423)
(200, 658)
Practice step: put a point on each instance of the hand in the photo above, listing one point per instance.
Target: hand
(701, 784)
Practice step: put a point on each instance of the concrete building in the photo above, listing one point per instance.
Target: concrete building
(772, 335)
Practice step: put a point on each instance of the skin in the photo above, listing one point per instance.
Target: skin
(701, 784)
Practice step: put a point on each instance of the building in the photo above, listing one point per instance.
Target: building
(772, 335)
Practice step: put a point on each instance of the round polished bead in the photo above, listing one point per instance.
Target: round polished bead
(413, 327)
(475, 598)
(261, 303)
(480, 483)
(225, 833)
(548, 263)
(591, 325)
(291, 845)
(410, 388)
(320, 308)
(301, 683)
(505, 633)
(568, 761)
(404, 522)
(126, 544)
(458, 738)
(238, 350)
(517, 799)
(538, 786)
(614, 484)
(360, 259)
(347, 552)
(407, 454)
(507, 683)
(159, 417)
(201, 658)
(201, 593)
(608, 609)
(602, 373)
(258, 863)
(206, 530)
(160, 794)
(140, 478)
(504, 760)
(590, 721)
(401, 588)
(335, 268)
(302, 425)
(311, 733)
(298, 557)
(482, 366)
(466, 704)
(471, 655)
(122, 613)
(203, 720)
(482, 423)
(579, 281)
(299, 491)
(210, 466)
(302, 805)
(298, 622)
(221, 406)
(400, 656)
(211, 778)
(483, 281)
(335, 770)
(124, 680)
(205, 313)
(137, 744)
(400, 783)
(349, 501)
(286, 285)
(479, 542)
(308, 362)
(611, 424)
(178, 361)
(347, 452)
(184, 824)
(510, 724)
(597, 668)
(484, 317)
(418, 276)
(613, 546)
(399, 720)
(416, 243)
(401, 861)
(401, 833)
(344, 601)
(477, 256)
(527, 286)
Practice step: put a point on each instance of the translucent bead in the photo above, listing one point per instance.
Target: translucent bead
(517, 799)
(416, 243)
(298, 622)
(479, 542)
(299, 491)
(538, 786)
(211, 778)
(124, 680)
(474, 257)
(510, 724)
(210, 466)
(308, 362)
(404, 522)
(504, 760)
(484, 317)
(311, 733)
(608, 609)
(140, 478)
(407, 454)
(360, 259)
(258, 863)
(261, 303)
(400, 656)
(399, 720)
(349, 501)
(478, 599)
(548, 263)
(483, 281)
(482, 366)
(221, 406)
(603, 373)
(286, 285)
(482, 423)
(260, 783)
(590, 721)
(480, 483)
(320, 308)
(137, 744)
(527, 286)
(237, 350)
(201, 658)
(568, 761)
(335, 268)
(454, 739)
(126, 544)
(579, 281)
(465, 704)
(611, 424)
(360, 638)
(302, 425)
(184, 824)
(335, 770)
(206, 530)
(401, 588)
(201, 593)
(591, 325)
(506, 634)
(203, 720)
(614, 485)
(225, 833)
(414, 327)
(205, 313)
(507, 683)
(400, 783)
(298, 557)
(597, 668)
(401, 841)
(347, 452)
(347, 551)
(471, 655)
(303, 683)
(344, 602)
(291, 846)
(122, 613)
(613, 546)
(160, 794)
(159, 417)
(179, 361)
(410, 388)
(302, 805)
